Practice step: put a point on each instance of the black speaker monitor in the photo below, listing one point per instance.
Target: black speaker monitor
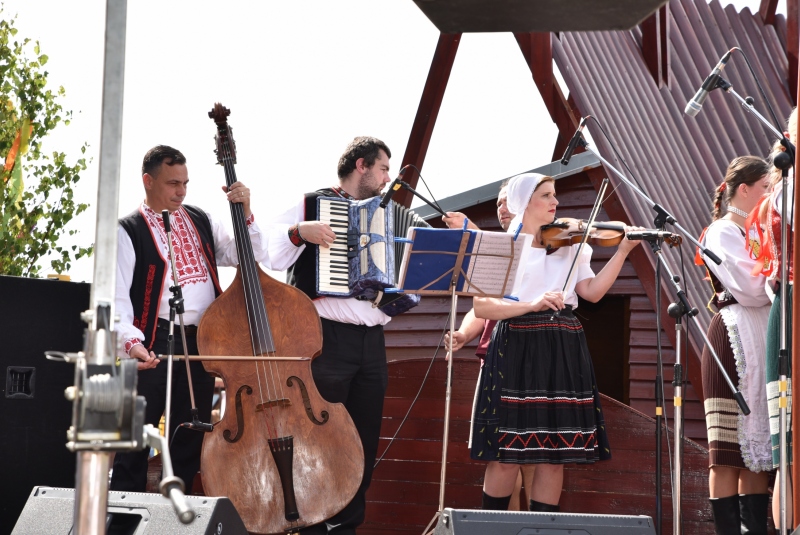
(475, 522)
(49, 511)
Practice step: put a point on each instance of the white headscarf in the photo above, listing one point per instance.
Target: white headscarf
(520, 189)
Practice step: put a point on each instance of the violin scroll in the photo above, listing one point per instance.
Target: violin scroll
(226, 146)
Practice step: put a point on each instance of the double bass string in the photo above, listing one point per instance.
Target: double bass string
(257, 317)
(256, 320)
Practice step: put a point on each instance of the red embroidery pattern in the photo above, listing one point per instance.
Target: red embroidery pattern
(294, 236)
(148, 292)
(564, 441)
(188, 262)
(130, 343)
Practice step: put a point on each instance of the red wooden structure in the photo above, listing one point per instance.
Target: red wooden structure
(636, 83)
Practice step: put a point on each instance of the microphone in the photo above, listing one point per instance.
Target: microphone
(650, 234)
(394, 186)
(710, 83)
(196, 424)
(165, 217)
(573, 143)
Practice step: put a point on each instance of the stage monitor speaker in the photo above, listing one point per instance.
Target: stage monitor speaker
(474, 522)
(36, 315)
(49, 511)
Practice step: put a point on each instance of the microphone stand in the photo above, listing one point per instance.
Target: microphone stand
(783, 162)
(747, 104)
(679, 309)
(176, 306)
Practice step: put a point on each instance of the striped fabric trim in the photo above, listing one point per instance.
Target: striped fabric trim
(728, 421)
(543, 400)
(721, 405)
(721, 434)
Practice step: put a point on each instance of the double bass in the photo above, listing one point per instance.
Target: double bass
(284, 456)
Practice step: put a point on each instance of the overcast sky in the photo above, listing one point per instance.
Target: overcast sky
(301, 79)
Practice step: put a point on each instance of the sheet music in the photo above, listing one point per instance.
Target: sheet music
(488, 270)
(490, 260)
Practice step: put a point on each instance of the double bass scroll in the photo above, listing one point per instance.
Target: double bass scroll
(284, 456)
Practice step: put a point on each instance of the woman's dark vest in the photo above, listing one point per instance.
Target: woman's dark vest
(148, 272)
(303, 273)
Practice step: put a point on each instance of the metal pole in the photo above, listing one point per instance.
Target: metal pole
(783, 357)
(449, 390)
(91, 477)
(677, 402)
(429, 529)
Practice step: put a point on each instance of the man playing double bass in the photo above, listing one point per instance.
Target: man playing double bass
(144, 276)
(352, 367)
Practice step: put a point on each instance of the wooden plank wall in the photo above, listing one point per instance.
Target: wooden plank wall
(404, 495)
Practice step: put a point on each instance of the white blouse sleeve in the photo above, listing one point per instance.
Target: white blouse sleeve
(225, 241)
(126, 260)
(727, 241)
(280, 253)
(583, 267)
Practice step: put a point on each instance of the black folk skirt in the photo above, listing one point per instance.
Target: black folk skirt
(537, 399)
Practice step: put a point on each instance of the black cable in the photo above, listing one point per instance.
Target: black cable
(421, 386)
(419, 173)
(760, 89)
(617, 154)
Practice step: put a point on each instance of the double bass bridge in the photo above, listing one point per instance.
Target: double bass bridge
(283, 402)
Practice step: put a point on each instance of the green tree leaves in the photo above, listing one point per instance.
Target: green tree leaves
(36, 188)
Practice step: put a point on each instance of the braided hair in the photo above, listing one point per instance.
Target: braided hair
(742, 170)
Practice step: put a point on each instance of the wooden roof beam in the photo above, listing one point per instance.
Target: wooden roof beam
(767, 11)
(655, 45)
(431, 101)
(792, 43)
(537, 48)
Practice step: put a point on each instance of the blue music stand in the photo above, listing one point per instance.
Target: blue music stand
(459, 262)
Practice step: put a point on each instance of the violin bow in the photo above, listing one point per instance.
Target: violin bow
(595, 210)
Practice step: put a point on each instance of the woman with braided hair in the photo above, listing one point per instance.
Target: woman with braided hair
(738, 445)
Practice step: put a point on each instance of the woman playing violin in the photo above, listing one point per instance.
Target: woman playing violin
(537, 400)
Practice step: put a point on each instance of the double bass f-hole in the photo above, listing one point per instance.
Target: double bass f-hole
(239, 416)
(307, 401)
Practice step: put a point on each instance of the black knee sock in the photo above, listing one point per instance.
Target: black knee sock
(543, 507)
(490, 503)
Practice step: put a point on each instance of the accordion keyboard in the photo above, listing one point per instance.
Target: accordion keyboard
(333, 261)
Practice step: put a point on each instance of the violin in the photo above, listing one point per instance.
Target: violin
(569, 231)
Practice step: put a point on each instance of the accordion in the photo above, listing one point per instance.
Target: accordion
(364, 259)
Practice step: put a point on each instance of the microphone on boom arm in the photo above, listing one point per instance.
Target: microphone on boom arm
(648, 234)
(396, 184)
(710, 84)
(577, 139)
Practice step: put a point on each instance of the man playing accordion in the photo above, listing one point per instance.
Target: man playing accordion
(352, 367)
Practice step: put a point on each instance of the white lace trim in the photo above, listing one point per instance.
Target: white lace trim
(753, 435)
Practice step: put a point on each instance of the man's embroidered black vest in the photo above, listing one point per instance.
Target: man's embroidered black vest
(148, 272)
(303, 273)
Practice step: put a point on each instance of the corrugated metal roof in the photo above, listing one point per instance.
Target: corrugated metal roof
(677, 159)
(579, 163)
